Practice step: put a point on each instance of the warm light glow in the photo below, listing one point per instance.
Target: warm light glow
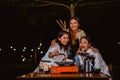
(40, 44)
(31, 56)
(0, 49)
(25, 47)
(21, 55)
(24, 59)
(38, 48)
(118, 43)
(32, 50)
(11, 47)
(23, 50)
(14, 49)
(41, 52)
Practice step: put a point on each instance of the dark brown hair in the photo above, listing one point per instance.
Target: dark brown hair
(60, 34)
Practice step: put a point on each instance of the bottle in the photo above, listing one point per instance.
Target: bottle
(86, 66)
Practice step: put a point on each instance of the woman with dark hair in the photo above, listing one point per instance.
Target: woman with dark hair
(84, 48)
(61, 47)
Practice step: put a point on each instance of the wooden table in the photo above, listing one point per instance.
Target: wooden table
(82, 76)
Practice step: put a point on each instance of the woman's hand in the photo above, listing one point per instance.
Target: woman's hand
(53, 43)
(94, 49)
(79, 51)
(65, 57)
(54, 53)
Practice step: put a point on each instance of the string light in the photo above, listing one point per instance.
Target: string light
(118, 43)
(14, 49)
(11, 47)
(23, 50)
(31, 56)
(0, 49)
(24, 56)
(25, 47)
(41, 52)
(32, 50)
(38, 48)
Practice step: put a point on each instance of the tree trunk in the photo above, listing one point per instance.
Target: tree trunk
(71, 10)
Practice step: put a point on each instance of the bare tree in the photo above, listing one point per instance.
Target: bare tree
(70, 7)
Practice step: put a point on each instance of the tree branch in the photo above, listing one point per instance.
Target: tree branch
(54, 3)
(76, 4)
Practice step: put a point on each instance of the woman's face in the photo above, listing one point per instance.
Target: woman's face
(64, 39)
(74, 24)
(84, 44)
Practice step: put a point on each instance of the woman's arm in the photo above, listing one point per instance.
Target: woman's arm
(94, 49)
(52, 54)
(53, 42)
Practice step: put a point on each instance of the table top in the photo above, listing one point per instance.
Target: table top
(33, 75)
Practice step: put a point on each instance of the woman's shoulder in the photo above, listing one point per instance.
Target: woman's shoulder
(81, 30)
(91, 51)
(81, 33)
(52, 48)
(56, 46)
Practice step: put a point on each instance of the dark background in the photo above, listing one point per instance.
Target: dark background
(28, 26)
